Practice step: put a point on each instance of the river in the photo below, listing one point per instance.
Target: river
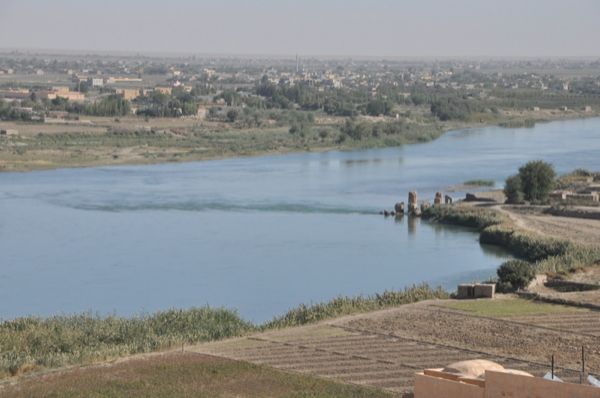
(259, 234)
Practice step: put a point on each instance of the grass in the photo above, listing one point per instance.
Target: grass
(496, 308)
(481, 183)
(32, 343)
(182, 375)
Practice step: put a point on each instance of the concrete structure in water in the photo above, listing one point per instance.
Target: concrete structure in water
(438, 198)
(486, 379)
(449, 200)
(476, 290)
(412, 202)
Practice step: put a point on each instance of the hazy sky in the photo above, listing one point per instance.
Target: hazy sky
(309, 27)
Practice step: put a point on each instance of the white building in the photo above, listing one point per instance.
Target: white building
(95, 82)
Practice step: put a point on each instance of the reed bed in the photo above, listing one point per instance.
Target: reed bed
(344, 305)
(32, 343)
(480, 183)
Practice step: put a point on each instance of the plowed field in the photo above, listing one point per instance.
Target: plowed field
(384, 349)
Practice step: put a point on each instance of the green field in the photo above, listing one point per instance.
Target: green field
(494, 308)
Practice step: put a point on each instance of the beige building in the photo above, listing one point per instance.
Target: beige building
(128, 94)
(52, 94)
(486, 379)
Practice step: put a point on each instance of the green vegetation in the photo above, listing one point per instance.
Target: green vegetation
(493, 308)
(537, 179)
(33, 342)
(518, 123)
(546, 253)
(199, 141)
(577, 173)
(88, 337)
(304, 314)
(481, 183)
(534, 182)
(186, 375)
(515, 274)
(379, 107)
(112, 105)
(478, 218)
(512, 189)
(455, 109)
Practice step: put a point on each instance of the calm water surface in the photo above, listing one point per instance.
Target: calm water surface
(260, 234)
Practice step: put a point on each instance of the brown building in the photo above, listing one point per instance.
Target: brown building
(15, 94)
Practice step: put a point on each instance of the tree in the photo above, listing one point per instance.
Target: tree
(537, 179)
(82, 88)
(512, 189)
(232, 115)
(376, 108)
(517, 273)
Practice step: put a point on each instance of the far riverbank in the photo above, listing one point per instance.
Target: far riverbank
(107, 142)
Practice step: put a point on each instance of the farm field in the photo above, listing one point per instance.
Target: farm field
(371, 354)
(385, 348)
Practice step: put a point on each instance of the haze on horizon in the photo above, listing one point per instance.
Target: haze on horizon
(394, 28)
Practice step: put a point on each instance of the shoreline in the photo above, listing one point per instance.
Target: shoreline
(35, 165)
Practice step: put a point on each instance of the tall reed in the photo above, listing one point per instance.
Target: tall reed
(34, 342)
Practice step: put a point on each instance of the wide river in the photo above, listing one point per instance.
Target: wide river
(260, 234)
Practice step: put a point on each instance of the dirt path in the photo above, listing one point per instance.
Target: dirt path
(584, 231)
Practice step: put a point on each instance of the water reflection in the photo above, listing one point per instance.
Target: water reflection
(412, 225)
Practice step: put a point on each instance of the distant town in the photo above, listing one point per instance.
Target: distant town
(294, 104)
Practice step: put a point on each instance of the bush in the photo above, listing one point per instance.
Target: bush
(517, 273)
(512, 189)
(578, 173)
(232, 115)
(537, 179)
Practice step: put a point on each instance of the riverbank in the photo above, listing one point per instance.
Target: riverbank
(133, 141)
(33, 343)
(546, 253)
(367, 353)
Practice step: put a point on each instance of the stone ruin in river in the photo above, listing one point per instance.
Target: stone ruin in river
(413, 205)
